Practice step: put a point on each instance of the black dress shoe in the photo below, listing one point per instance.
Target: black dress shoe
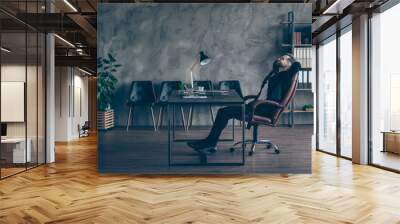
(199, 144)
(202, 146)
(208, 150)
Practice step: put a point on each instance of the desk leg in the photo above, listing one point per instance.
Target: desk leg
(173, 122)
(384, 142)
(169, 134)
(243, 134)
(233, 129)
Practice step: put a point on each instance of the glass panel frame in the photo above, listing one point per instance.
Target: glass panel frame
(327, 96)
(384, 73)
(14, 144)
(340, 117)
(27, 59)
(345, 97)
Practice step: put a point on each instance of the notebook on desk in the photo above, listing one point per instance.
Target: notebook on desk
(195, 97)
(199, 94)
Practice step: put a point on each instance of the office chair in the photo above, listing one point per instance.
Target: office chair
(207, 84)
(83, 130)
(141, 94)
(267, 112)
(166, 88)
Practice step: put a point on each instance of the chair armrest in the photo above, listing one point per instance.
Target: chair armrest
(257, 103)
(249, 97)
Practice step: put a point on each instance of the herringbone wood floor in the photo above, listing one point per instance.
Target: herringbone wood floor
(71, 191)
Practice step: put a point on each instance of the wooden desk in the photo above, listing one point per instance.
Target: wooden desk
(13, 150)
(391, 141)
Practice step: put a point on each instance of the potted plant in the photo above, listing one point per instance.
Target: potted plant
(106, 81)
(308, 107)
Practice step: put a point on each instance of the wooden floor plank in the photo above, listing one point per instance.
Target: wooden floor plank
(72, 191)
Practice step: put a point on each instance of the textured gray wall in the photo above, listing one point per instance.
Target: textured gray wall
(160, 41)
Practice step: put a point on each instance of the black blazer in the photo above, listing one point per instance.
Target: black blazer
(279, 82)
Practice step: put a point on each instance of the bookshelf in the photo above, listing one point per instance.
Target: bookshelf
(297, 41)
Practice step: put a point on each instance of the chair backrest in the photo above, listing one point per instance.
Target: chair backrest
(86, 125)
(167, 87)
(272, 113)
(231, 85)
(287, 98)
(207, 84)
(142, 92)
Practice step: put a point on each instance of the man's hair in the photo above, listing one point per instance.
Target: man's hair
(292, 59)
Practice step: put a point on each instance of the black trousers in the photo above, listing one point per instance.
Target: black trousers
(223, 116)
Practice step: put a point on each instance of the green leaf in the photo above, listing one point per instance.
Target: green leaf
(112, 59)
(106, 81)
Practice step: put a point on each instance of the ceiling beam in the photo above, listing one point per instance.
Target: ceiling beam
(81, 61)
(86, 27)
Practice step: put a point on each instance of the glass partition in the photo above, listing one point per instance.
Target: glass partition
(346, 93)
(385, 89)
(22, 93)
(31, 97)
(327, 95)
(14, 153)
(41, 96)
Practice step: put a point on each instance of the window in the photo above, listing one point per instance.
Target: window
(327, 96)
(346, 92)
(385, 88)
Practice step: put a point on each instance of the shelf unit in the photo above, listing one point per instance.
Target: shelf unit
(297, 35)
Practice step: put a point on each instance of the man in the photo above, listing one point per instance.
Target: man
(276, 82)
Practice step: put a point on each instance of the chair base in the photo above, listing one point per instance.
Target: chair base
(268, 145)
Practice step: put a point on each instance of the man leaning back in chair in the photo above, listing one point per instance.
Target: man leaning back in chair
(274, 84)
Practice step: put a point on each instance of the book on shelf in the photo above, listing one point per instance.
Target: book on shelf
(304, 80)
(303, 55)
(297, 38)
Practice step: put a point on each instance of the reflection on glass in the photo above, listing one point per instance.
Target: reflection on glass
(15, 151)
(31, 100)
(385, 86)
(41, 98)
(327, 96)
(346, 94)
(22, 93)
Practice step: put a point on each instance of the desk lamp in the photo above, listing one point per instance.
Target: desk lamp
(204, 59)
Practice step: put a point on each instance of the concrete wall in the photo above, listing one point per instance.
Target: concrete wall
(160, 41)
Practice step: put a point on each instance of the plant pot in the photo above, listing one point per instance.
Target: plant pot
(105, 119)
(309, 109)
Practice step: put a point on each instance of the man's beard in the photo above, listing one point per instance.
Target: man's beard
(282, 67)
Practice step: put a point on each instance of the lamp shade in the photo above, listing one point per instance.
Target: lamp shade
(204, 59)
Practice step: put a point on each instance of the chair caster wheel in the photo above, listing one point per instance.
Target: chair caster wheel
(250, 153)
(277, 151)
(232, 149)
